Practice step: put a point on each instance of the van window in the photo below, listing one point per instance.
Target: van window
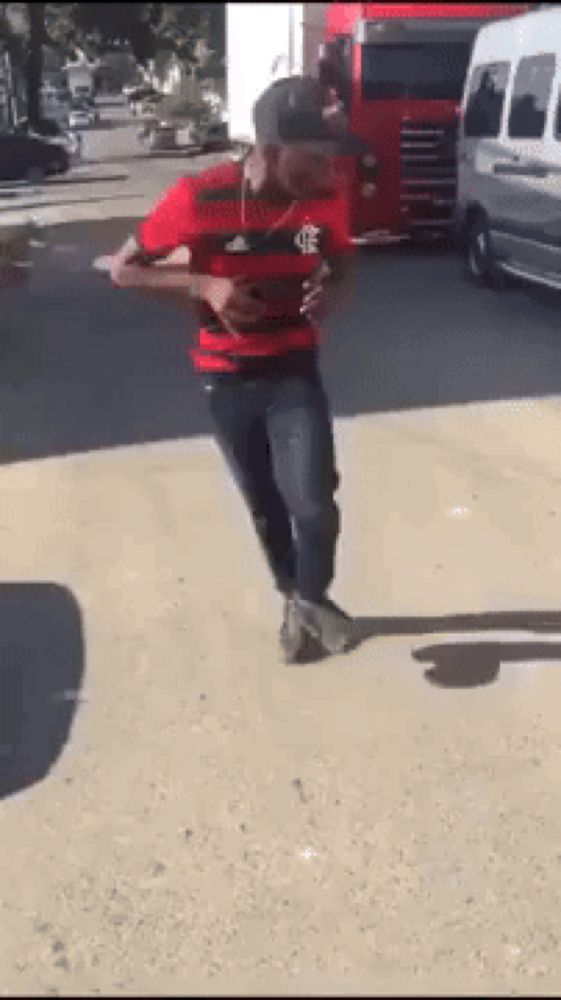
(485, 100)
(530, 96)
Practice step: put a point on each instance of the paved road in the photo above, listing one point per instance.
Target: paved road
(194, 818)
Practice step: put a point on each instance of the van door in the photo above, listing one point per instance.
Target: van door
(480, 144)
(527, 183)
(553, 226)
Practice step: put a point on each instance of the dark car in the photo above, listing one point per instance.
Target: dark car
(47, 127)
(30, 157)
(142, 93)
(51, 129)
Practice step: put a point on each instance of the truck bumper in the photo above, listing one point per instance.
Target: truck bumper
(424, 233)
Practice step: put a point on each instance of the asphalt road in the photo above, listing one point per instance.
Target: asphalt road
(181, 813)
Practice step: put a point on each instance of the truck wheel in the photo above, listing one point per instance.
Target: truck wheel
(480, 261)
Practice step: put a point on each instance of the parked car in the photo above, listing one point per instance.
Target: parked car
(51, 129)
(30, 157)
(140, 93)
(508, 213)
(86, 104)
(145, 103)
(45, 126)
(80, 118)
(214, 137)
(163, 135)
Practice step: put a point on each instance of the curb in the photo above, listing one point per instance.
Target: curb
(77, 175)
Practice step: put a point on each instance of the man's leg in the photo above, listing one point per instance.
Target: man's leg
(303, 454)
(238, 410)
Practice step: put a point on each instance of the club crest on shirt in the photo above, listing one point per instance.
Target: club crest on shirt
(307, 239)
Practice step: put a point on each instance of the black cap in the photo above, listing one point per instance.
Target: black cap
(294, 110)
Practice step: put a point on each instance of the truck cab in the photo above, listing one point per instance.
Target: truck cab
(399, 70)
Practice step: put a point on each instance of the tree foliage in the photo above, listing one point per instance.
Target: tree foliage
(193, 31)
(140, 27)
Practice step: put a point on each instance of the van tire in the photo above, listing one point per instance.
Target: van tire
(480, 261)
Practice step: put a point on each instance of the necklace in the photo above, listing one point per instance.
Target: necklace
(276, 225)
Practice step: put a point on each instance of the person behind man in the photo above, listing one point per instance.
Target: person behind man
(268, 245)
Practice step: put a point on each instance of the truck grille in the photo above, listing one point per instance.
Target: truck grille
(427, 154)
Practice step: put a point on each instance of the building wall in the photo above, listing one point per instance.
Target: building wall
(314, 20)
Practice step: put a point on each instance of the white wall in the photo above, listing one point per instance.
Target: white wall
(314, 15)
(259, 49)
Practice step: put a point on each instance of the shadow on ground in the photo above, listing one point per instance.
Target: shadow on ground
(463, 664)
(85, 366)
(41, 670)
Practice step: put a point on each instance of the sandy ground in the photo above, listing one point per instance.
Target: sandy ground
(218, 822)
(198, 819)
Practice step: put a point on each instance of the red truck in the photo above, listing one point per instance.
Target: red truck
(399, 71)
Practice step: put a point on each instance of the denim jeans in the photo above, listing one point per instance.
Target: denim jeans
(276, 435)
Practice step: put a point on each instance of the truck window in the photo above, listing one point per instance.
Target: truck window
(485, 100)
(558, 117)
(530, 96)
(422, 70)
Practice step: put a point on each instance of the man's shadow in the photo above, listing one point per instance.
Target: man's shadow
(41, 670)
(465, 664)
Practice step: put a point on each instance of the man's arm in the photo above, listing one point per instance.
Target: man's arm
(169, 228)
(229, 298)
(131, 267)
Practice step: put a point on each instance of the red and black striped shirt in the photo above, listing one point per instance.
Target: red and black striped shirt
(204, 214)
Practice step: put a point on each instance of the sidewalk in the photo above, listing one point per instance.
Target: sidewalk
(116, 190)
(203, 819)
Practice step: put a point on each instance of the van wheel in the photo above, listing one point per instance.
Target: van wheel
(480, 259)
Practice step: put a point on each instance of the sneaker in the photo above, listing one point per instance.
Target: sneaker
(293, 635)
(327, 623)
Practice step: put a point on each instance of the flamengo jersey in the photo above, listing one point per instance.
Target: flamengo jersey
(204, 214)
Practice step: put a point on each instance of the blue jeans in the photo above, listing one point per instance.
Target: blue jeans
(276, 435)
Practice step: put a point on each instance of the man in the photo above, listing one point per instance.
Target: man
(267, 241)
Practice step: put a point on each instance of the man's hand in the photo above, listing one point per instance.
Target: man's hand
(330, 287)
(316, 293)
(232, 300)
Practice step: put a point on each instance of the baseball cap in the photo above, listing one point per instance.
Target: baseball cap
(293, 110)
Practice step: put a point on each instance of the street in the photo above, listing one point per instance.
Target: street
(182, 813)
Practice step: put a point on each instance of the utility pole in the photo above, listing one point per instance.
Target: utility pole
(36, 16)
(10, 90)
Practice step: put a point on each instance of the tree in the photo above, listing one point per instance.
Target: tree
(34, 75)
(108, 27)
(96, 28)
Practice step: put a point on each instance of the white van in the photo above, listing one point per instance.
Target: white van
(508, 212)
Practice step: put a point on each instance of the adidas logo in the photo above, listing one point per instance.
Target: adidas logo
(238, 245)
